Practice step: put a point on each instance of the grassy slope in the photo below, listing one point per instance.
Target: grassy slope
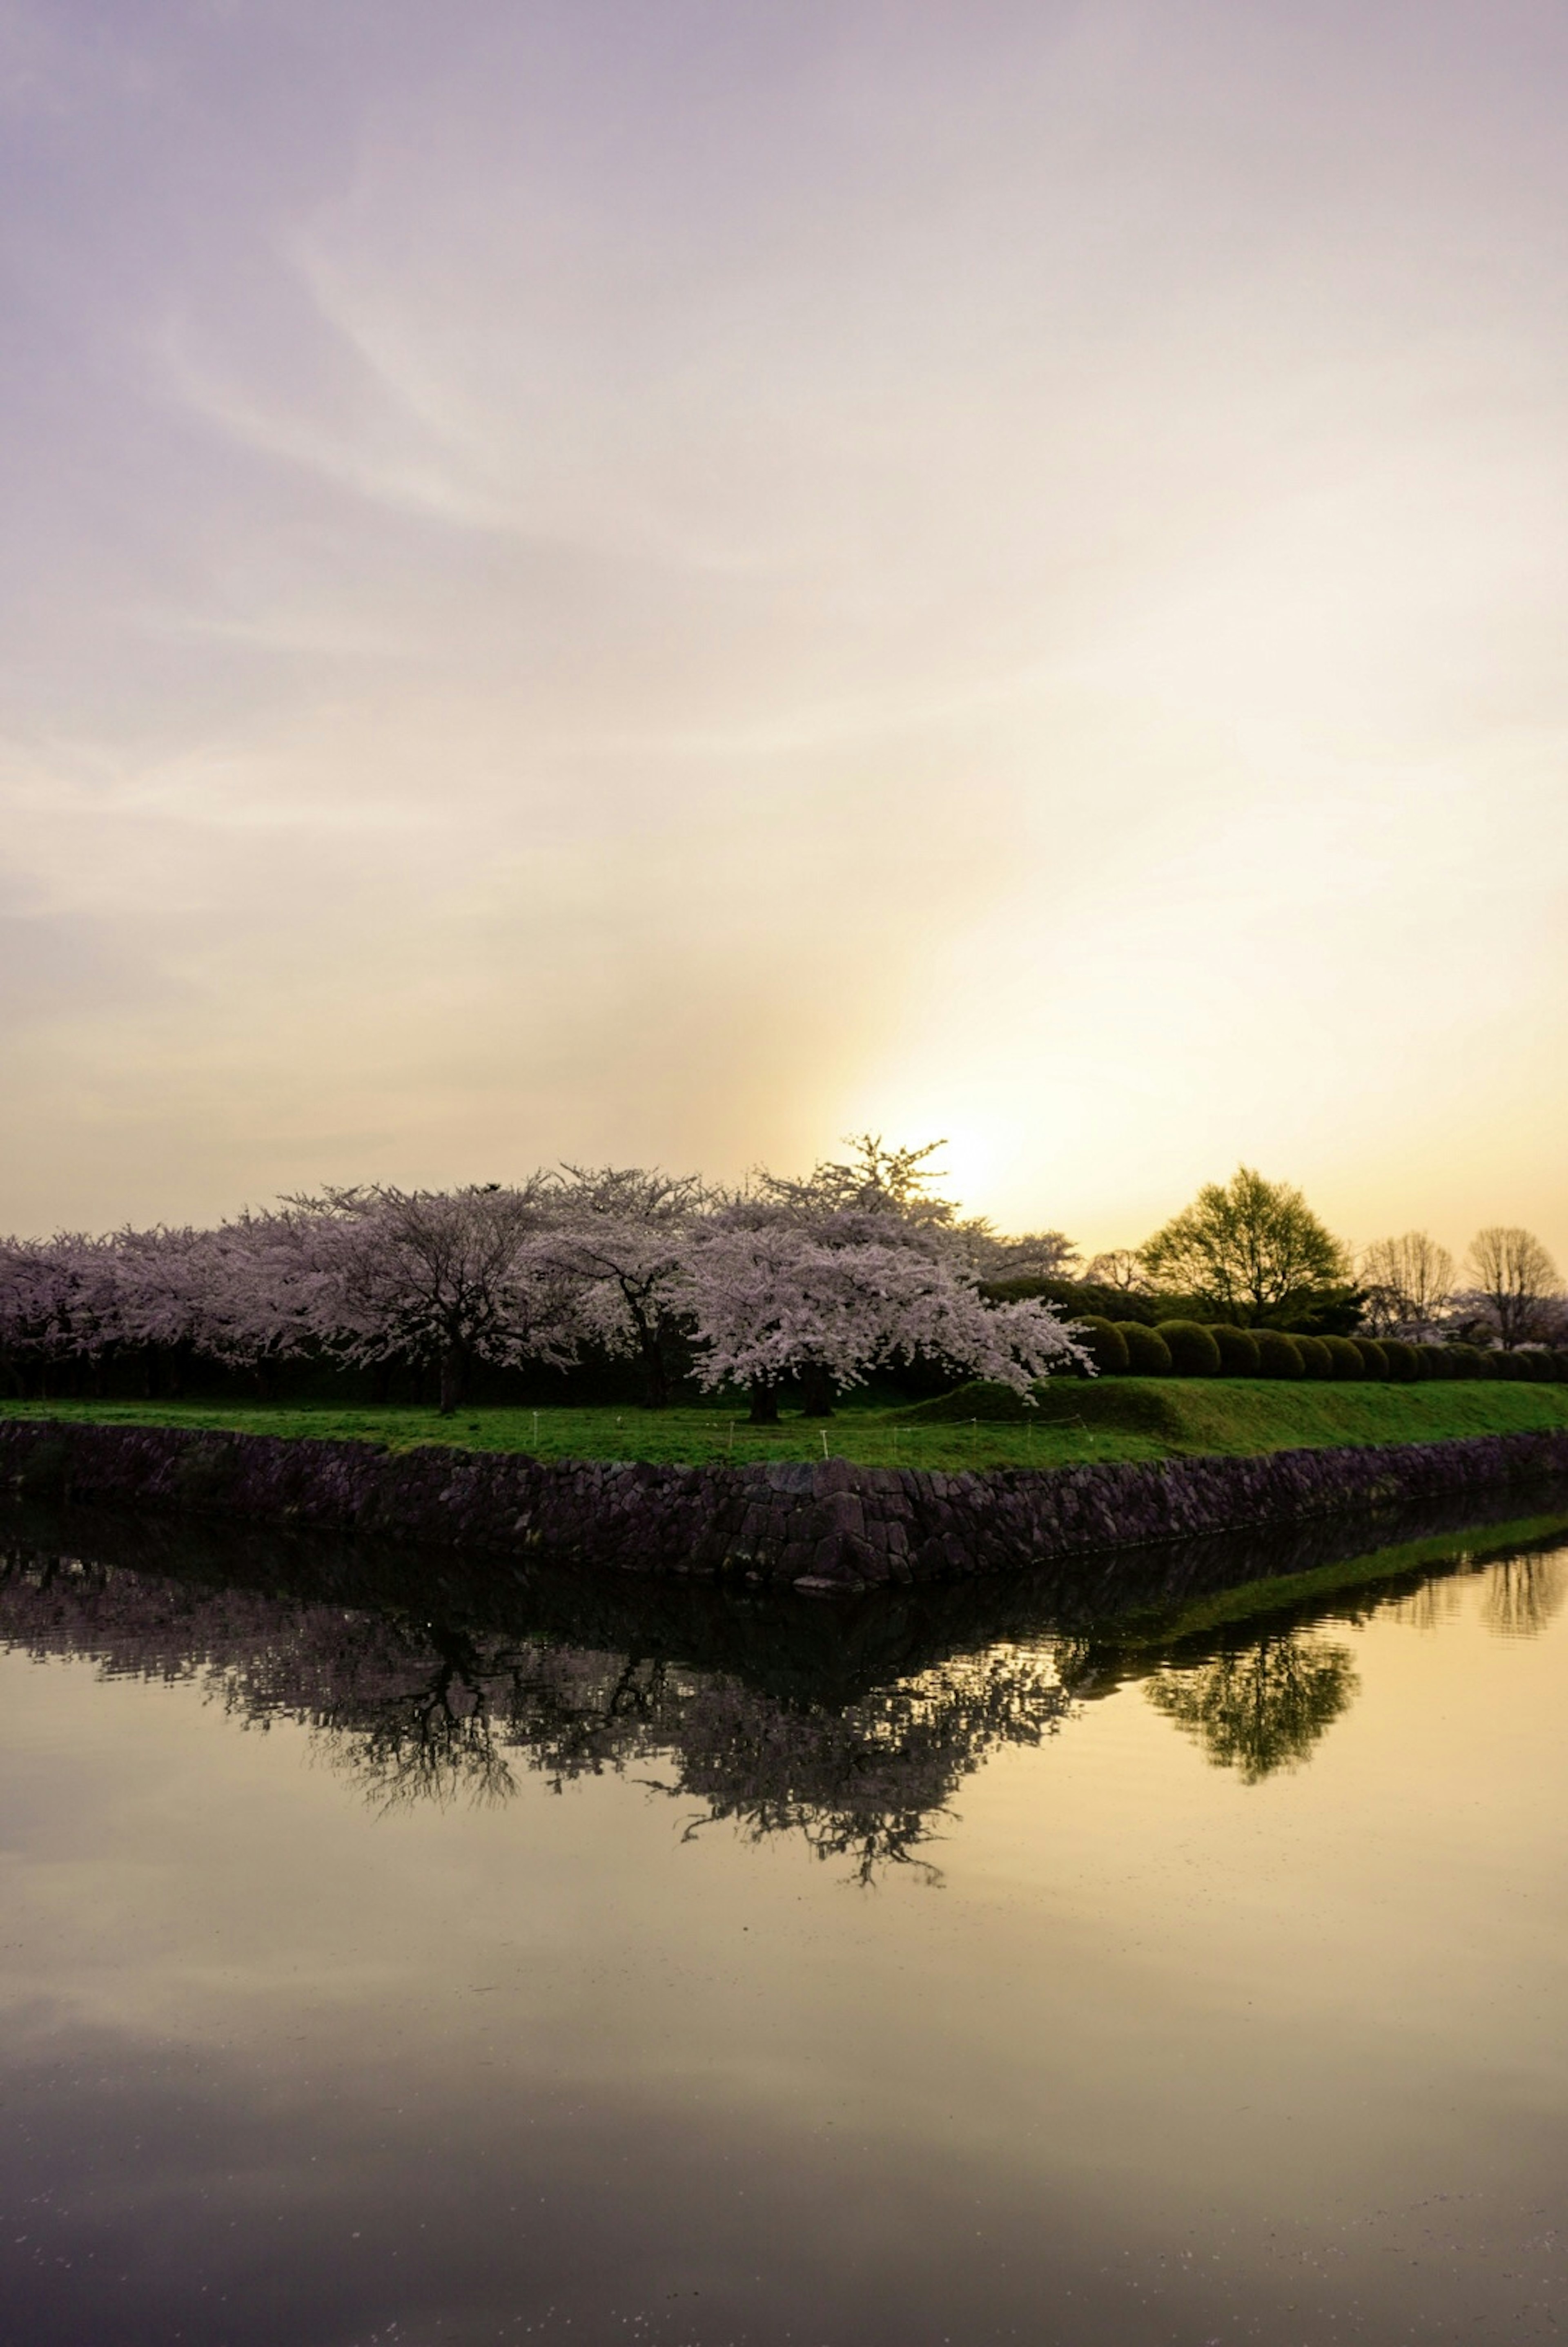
(1117, 1418)
(1249, 1414)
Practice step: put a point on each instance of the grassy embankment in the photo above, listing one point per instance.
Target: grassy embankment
(978, 1426)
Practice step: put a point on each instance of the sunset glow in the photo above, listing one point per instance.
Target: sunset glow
(665, 585)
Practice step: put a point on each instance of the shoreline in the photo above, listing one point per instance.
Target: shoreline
(823, 1529)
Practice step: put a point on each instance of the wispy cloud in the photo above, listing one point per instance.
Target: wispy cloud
(667, 583)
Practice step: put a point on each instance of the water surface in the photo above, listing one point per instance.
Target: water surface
(390, 1954)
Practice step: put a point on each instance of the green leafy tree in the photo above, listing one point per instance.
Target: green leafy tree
(1251, 1250)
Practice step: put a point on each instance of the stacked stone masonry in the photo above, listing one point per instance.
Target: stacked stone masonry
(821, 1528)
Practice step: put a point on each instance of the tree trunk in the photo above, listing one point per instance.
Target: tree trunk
(816, 1393)
(764, 1405)
(655, 1395)
(453, 1366)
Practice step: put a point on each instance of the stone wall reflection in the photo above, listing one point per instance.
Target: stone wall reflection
(855, 1738)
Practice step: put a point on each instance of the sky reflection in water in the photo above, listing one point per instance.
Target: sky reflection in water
(388, 1966)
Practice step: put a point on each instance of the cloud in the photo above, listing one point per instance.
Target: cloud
(582, 585)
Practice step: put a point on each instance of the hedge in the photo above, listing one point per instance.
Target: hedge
(1104, 1344)
(1192, 1349)
(1148, 1355)
(1237, 1351)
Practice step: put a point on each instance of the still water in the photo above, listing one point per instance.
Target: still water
(392, 1957)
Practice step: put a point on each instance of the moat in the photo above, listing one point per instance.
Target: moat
(397, 1951)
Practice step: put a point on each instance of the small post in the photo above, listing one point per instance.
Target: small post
(824, 1444)
(535, 1429)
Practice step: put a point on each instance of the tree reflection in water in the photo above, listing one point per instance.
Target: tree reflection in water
(1261, 1707)
(853, 1731)
(1523, 1592)
(865, 1782)
(413, 1711)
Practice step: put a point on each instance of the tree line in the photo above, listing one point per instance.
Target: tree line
(817, 1281)
(807, 1285)
(1251, 1253)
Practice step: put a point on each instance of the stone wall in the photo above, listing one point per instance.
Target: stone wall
(820, 1528)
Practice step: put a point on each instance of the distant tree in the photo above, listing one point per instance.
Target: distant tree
(1250, 1250)
(1122, 1269)
(1037, 1255)
(1409, 1284)
(1515, 1280)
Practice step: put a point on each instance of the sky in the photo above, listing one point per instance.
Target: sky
(670, 581)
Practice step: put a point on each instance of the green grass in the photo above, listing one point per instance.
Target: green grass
(693, 1437)
(1186, 1416)
(978, 1426)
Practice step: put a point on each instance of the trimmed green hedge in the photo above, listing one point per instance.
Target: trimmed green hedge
(1237, 1351)
(1192, 1349)
(1148, 1355)
(1104, 1344)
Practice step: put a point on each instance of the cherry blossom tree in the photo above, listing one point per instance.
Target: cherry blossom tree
(445, 1278)
(58, 1302)
(776, 1293)
(623, 1236)
(861, 1264)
